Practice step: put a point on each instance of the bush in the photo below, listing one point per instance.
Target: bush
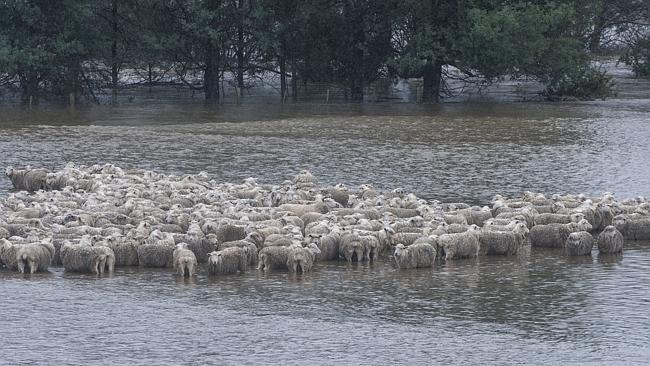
(588, 85)
(638, 56)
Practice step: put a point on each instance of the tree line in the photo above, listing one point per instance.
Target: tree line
(69, 49)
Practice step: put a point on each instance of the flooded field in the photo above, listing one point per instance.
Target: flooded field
(540, 307)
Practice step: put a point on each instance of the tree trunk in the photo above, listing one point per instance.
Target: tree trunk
(240, 49)
(29, 84)
(431, 80)
(240, 60)
(294, 80)
(114, 65)
(356, 90)
(211, 73)
(72, 85)
(283, 77)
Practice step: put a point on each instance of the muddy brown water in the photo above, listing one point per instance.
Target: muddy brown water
(540, 307)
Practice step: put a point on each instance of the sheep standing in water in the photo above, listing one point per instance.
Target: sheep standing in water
(549, 236)
(495, 242)
(460, 245)
(579, 243)
(610, 241)
(35, 257)
(301, 258)
(274, 257)
(228, 261)
(420, 255)
(184, 260)
(83, 258)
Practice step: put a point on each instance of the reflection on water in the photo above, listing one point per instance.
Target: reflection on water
(539, 307)
(450, 152)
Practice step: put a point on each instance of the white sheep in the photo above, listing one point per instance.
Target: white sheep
(185, 262)
(228, 261)
(579, 243)
(610, 241)
(420, 255)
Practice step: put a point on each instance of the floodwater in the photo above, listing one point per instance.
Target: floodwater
(539, 307)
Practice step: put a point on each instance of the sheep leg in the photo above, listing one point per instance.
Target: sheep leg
(32, 266)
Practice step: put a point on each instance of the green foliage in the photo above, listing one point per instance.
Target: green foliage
(68, 47)
(638, 56)
(588, 85)
(531, 40)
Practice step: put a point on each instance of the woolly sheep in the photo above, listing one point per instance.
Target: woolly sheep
(460, 245)
(8, 254)
(582, 225)
(300, 209)
(82, 258)
(229, 232)
(274, 257)
(352, 248)
(228, 261)
(610, 241)
(419, 255)
(249, 245)
(503, 242)
(27, 180)
(108, 263)
(327, 244)
(35, 257)
(184, 260)
(579, 243)
(550, 236)
(124, 249)
(633, 228)
(301, 258)
(156, 254)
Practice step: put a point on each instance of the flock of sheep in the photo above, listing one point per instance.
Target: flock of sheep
(93, 218)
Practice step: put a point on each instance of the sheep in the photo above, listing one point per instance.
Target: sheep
(310, 217)
(610, 241)
(82, 258)
(603, 217)
(579, 243)
(460, 245)
(475, 216)
(278, 240)
(108, 263)
(503, 242)
(125, 250)
(371, 247)
(27, 180)
(184, 260)
(200, 245)
(301, 209)
(303, 258)
(550, 236)
(327, 244)
(553, 218)
(455, 219)
(274, 257)
(421, 255)
(8, 254)
(582, 225)
(352, 248)
(633, 228)
(341, 196)
(228, 261)
(156, 254)
(229, 232)
(251, 249)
